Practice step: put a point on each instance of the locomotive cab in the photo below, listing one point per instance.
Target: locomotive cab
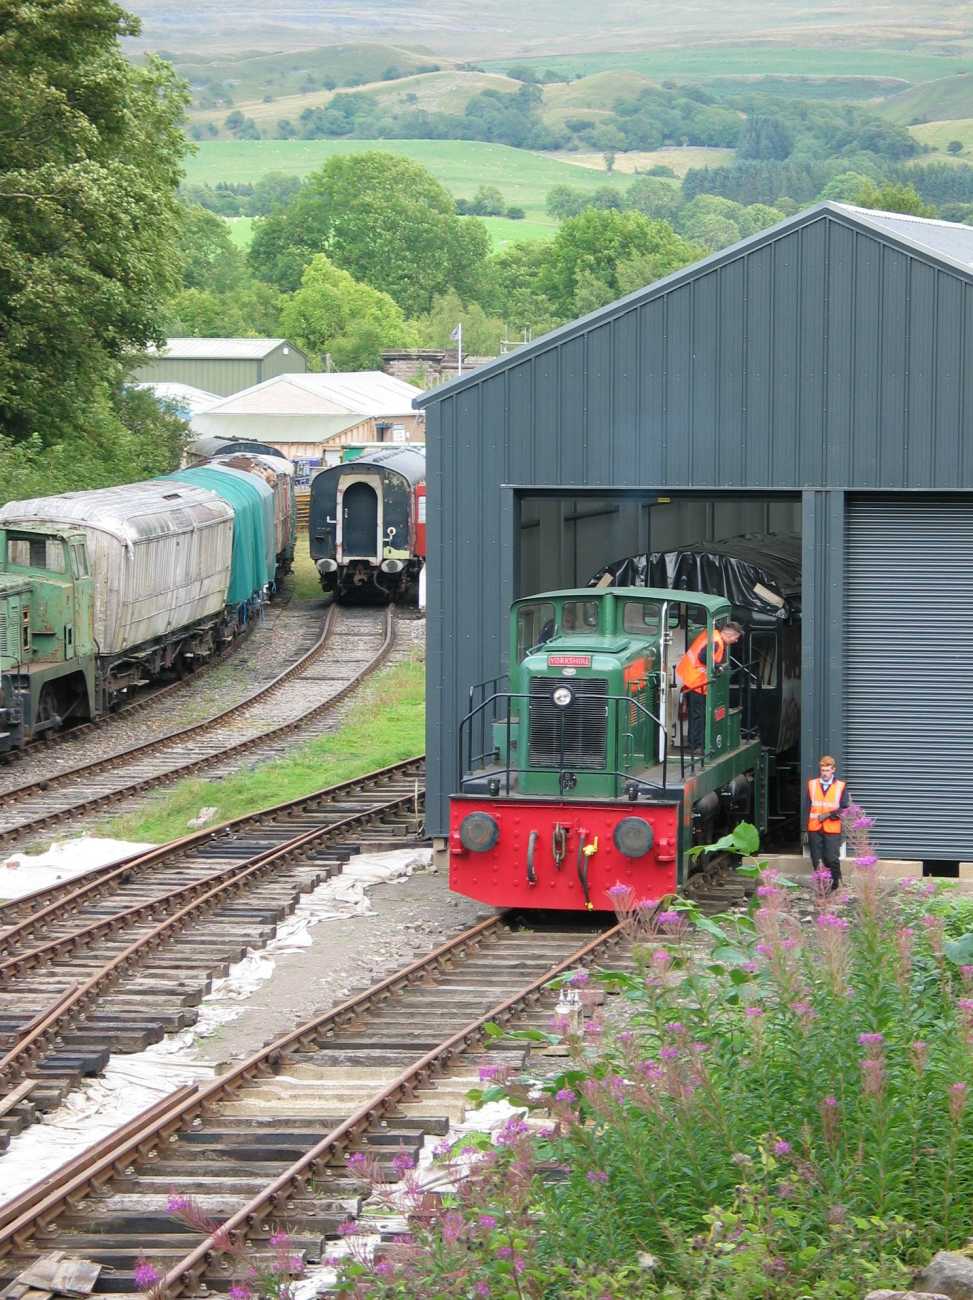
(589, 748)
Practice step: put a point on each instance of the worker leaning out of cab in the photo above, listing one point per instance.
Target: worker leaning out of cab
(693, 673)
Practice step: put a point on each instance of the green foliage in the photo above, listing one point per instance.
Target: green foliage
(581, 269)
(481, 333)
(128, 435)
(90, 157)
(382, 218)
(210, 259)
(844, 188)
(252, 311)
(334, 313)
(894, 197)
(784, 1108)
(653, 197)
(515, 290)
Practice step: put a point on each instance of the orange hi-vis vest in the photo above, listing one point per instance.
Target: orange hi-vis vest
(690, 671)
(824, 815)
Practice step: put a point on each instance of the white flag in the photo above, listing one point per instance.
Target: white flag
(457, 333)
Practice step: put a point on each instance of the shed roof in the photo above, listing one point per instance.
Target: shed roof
(185, 396)
(364, 393)
(943, 243)
(204, 349)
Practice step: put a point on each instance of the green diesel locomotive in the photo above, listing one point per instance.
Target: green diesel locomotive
(582, 774)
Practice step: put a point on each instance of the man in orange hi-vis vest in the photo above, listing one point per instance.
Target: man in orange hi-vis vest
(827, 796)
(693, 674)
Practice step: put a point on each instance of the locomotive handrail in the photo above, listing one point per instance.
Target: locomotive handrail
(629, 701)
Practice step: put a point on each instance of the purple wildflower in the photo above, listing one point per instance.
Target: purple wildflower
(865, 860)
(768, 891)
(489, 1072)
(871, 1040)
(402, 1163)
(661, 957)
(782, 1148)
(481, 1289)
(176, 1204)
(596, 1176)
(383, 1268)
(240, 1291)
(146, 1275)
(566, 1094)
(348, 1229)
(670, 918)
(487, 1221)
(579, 978)
(357, 1160)
(676, 1028)
(618, 891)
(763, 949)
(751, 967)
(753, 1013)
(828, 921)
(593, 1029)
(669, 1053)
(504, 1252)
(281, 1238)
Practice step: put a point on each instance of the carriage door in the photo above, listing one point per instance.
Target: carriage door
(359, 513)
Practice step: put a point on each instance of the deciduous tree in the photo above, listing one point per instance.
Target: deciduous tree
(382, 218)
(91, 149)
(334, 313)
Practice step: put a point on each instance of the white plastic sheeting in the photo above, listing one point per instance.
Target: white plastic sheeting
(134, 1082)
(23, 873)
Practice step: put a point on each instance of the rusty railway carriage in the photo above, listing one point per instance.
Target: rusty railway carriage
(580, 775)
(368, 525)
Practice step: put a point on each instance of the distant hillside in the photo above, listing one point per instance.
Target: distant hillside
(938, 135)
(935, 101)
(446, 92)
(249, 77)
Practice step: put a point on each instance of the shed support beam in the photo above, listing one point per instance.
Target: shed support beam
(822, 625)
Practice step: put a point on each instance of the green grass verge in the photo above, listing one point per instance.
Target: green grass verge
(305, 583)
(522, 177)
(718, 60)
(386, 725)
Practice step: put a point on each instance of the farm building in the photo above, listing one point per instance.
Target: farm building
(813, 379)
(221, 366)
(303, 415)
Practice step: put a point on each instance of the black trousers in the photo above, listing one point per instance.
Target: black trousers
(825, 847)
(697, 719)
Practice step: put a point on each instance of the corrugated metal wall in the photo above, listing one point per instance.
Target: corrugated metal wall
(819, 357)
(909, 687)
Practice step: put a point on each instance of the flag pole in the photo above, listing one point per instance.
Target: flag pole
(459, 350)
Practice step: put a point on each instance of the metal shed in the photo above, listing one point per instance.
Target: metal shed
(813, 377)
(221, 366)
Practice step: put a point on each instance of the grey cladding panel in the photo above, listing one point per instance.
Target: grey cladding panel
(908, 684)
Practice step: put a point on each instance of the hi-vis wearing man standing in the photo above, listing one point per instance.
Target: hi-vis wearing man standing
(827, 796)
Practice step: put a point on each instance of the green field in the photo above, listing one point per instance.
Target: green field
(938, 135)
(736, 60)
(461, 165)
(241, 230)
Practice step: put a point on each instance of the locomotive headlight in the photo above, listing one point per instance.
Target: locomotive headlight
(563, 696)
(478, 832)
(633, 837)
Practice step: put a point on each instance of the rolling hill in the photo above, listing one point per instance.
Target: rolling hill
(445, 92)
(250, 76)
(934, 101)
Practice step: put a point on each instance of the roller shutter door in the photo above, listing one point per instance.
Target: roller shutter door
(909, 673)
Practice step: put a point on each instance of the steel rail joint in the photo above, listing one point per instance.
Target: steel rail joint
(145, 1141)
(60, 1019)
(189, 1270)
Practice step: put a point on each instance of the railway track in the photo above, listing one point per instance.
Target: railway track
(127, 954)
(266, 1143)
(51, 742)
(300, 698)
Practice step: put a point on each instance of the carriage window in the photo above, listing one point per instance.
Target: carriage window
(535, 625)
(763, 659)
(641, 617)
(36, 553)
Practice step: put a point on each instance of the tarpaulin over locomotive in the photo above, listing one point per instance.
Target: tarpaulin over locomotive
(760, 575)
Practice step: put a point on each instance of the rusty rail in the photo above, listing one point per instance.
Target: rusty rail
(32, 1045)
(177, 774)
